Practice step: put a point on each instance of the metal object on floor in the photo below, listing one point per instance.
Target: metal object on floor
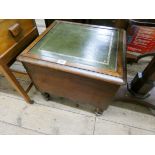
(141, 89)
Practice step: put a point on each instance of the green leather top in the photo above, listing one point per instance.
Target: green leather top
(80, 44)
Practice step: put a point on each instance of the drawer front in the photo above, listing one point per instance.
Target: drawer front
(15, 36)
(12, 31)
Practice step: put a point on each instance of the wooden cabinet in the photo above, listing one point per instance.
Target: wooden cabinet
(81, 62)
(15, 36)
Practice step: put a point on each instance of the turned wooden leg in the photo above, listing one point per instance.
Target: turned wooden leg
(12, 79)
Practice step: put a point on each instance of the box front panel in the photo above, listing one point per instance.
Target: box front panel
(71, 86)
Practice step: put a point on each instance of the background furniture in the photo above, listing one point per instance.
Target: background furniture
(140, 22)
(118, 23)
(81, 62)
(15, 36)
(48, 22)
(141, 88)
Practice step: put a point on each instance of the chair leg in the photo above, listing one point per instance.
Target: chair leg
(12, 79)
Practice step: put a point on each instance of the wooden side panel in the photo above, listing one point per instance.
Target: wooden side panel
(76, 88)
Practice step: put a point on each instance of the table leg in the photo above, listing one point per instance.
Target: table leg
(12, 79)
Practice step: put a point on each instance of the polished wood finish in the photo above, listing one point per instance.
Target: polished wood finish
(15, 36)
(73, 81)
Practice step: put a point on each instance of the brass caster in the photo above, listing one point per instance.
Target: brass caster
(31, 102)
(98, 112)
(152, 111)
(46, 96)
(77, 105)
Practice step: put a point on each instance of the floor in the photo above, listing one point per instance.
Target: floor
(61, 116)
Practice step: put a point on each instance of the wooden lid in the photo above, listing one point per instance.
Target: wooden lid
(87, 47)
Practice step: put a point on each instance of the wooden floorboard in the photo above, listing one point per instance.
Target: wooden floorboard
(11, 129)
(104, 127)
(42, 118)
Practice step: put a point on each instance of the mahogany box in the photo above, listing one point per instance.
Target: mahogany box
(81, 62)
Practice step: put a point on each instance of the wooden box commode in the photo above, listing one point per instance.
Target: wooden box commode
(81, 62)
